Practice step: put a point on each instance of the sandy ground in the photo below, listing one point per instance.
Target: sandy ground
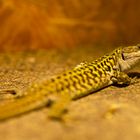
(110, 114)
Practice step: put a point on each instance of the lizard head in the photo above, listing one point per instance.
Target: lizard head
(130, 56)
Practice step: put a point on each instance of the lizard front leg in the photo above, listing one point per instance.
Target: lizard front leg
(121, 78)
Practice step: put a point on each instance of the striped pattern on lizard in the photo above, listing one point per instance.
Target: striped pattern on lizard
(84, 79)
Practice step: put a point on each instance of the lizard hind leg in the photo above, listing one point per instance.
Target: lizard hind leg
(59, 106)
(7, 94)
(7, 91)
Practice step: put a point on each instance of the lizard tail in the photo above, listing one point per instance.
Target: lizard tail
(21, 105)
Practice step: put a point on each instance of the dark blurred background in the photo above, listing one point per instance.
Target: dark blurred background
(33, 24)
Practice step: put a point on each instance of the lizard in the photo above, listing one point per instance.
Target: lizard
(82, 80)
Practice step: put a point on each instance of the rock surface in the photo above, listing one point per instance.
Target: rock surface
(110, 114)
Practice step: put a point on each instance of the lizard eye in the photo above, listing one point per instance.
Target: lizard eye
(123, 56)
(138, 46)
